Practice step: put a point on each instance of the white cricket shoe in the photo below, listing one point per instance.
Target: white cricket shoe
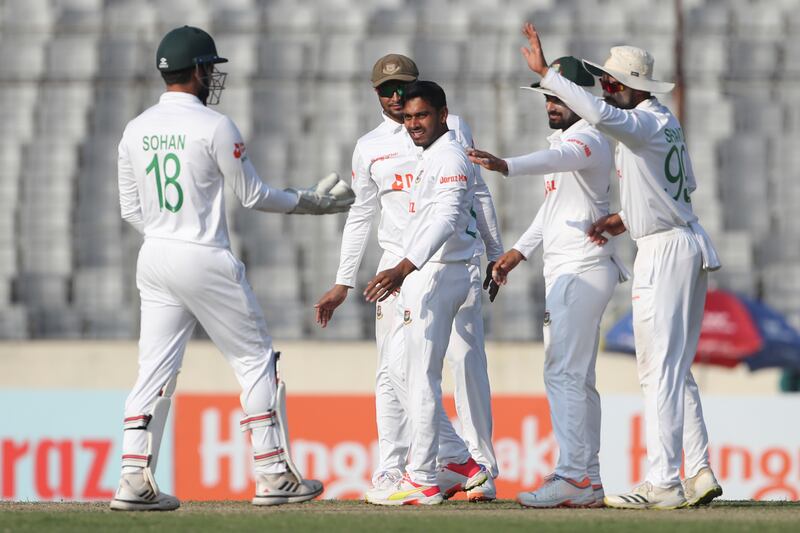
(455, 477)
(646, 496)
(483, 493)
(406, 492)
(138, 491)
(383, 481)
(701, 488)
(599, 495)
(559, 491)
(277, 489)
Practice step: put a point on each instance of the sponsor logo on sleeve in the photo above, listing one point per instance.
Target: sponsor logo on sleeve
(383, 157)
(586, 149)
(238, 150)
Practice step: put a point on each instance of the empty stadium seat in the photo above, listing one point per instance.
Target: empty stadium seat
(14, 323)
(24, 56)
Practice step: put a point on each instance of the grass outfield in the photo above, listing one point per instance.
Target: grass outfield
(760, 517)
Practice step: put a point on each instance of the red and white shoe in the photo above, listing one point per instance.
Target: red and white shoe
(483, 493)
(559, 491)
(455, 477)
(406, 492)
(599, 496)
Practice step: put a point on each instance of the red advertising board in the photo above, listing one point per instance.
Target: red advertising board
(334, 440)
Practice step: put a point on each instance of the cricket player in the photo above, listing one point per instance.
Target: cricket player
(173, 161)
(383, 171)
(579, 281)
(437, 274)
(671, 268)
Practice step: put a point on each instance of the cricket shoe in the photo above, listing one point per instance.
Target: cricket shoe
(599, 495)
(383, 481)
(701, 488)
(483, 493)
(455, 477)
(646, 496)
(138, 492)
(406, 492)
(277, 489)
(559, 491)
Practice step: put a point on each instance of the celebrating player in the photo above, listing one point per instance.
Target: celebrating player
(437, 265)
(579, 277)
(173, 161)
(670, 272)
(383, 172)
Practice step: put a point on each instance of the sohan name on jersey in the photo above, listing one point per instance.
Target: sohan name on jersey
(674, 135)
(163, 142)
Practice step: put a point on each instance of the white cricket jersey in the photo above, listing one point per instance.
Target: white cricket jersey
(577, 172)
(384, 161)
(653, 165)
(442, 226)
(173, 161)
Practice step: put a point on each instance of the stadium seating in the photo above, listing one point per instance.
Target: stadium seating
(75, 71)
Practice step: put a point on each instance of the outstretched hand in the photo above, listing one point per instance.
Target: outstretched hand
(534, 55)
(488, 161)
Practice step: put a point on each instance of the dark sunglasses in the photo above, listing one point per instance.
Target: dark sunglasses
(611, 87)
(387, 90)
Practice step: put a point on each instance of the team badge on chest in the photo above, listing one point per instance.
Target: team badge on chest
(378, 312)
(547, 318)
(407, 316)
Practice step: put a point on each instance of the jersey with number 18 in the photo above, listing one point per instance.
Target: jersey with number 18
(173, 161)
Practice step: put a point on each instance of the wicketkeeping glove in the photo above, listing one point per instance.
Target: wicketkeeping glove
(329, 195)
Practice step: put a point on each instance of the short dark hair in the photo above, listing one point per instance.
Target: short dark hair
(428, 91)
(178, 76)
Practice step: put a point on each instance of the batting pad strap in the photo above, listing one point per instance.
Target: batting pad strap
(260, 420)
(270, 458)
(133, 459)
(136, 422)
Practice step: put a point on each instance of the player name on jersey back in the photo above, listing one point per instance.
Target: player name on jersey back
(164, 142)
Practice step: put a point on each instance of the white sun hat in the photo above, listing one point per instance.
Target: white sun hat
(633, 67)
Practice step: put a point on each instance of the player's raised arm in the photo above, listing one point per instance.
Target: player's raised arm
(612, 115)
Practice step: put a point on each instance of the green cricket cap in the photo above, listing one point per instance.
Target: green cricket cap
(184, 48)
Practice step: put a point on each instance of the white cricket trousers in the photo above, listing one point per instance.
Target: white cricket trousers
(181, 284)
(467, 358)
(428, 304)
(669, 293)
(575, 304)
